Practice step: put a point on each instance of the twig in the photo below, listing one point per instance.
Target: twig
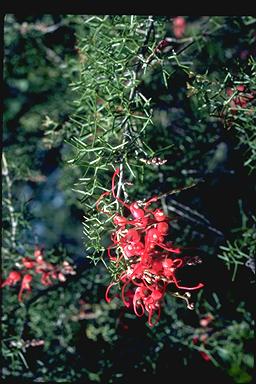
(148, 33)
(178, 190)
(142, 51)
(120, 182)
(40, 27)
(13, 220)
(52, 56)
(191, 215)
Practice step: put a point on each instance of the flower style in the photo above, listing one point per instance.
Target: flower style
(150, 261)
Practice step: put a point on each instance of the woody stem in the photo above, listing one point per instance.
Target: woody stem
(5, 172)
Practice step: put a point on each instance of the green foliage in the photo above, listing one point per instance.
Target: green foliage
(211, 95)
(240, 252)
(109, 102)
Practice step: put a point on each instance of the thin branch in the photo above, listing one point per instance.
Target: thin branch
(142, 51)
(13, 220)
(191, 215)
(178, 190)
(40, 27)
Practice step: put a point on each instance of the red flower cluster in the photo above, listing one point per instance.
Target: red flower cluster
(202, 339)
(37, 265)
(140, 239)
(241, 100)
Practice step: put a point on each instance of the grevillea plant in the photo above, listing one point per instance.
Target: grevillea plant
(149, 260)
(37, 266)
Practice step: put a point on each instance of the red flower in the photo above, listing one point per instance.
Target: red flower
(195, 339)
(242, 98)
(12, 279)
(136, 211)
(205, 356)
(47, 271)
(46, 278)
(38, 255)
(119, 220)
(61, 277)
(205, 321)
(25, 285)
(159, 215)
(28, 263)
(161, 45)
(139, 239)
(179, 26)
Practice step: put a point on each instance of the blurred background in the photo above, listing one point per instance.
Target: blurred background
(81, 338)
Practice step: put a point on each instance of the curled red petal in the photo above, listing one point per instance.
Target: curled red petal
(146, 284)
(135, 305)
(113, 258)
(173, 250)
(198, 286)
(107, 292)
(179, 263)
(126, 303)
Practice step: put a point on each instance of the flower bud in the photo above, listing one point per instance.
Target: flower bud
(28, 263)
(61, 277)
(163, 228)
(156, 294)
(119, 220)
(159, 215)
(137, 212)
